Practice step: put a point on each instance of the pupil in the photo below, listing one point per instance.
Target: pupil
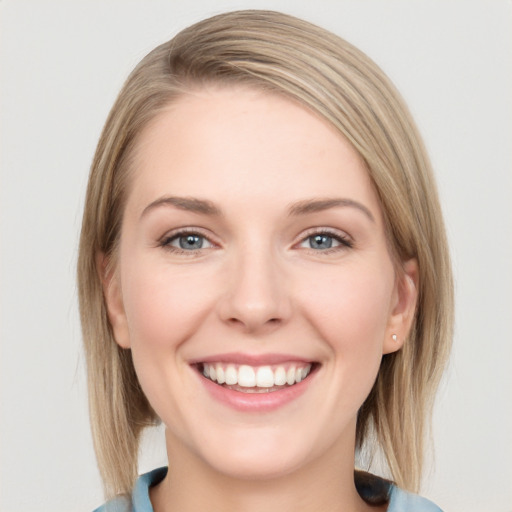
(191, 242)
(322, 242)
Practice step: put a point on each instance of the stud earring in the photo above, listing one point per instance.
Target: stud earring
(394, 337)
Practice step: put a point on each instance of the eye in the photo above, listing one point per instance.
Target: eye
(325, 241)
(320, 241)
(186, 242)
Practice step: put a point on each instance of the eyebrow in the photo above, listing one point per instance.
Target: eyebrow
(318, 205)
(206, 207)
(190, 204)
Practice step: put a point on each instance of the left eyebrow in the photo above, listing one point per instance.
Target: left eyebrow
(318, 205)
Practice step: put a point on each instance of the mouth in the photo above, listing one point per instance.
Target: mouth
(256, 379)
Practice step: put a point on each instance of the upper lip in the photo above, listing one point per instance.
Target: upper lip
(251, 359)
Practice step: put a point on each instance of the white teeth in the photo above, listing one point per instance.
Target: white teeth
(280, 376)
(265, 377)
(231, 375)
(246, 376)
(220, 374)
(250, 377)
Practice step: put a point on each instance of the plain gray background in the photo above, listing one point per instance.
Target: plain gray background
(62, 64)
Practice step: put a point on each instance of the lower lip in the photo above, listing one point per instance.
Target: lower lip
(256, 402)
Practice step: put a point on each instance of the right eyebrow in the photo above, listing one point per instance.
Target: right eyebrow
(190, 204)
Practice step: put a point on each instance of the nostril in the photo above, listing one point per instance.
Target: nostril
(249, 322)
(236, 320)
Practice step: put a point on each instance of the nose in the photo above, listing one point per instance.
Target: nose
(256, 296)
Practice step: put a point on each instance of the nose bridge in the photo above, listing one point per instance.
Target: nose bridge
(256, 295)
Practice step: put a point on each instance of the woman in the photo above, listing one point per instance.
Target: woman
(263, 267)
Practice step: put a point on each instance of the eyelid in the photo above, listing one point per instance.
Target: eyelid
(346, 241)
(174, 234)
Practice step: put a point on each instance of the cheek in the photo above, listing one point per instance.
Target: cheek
(353, 310)
(163, 308)
(163, 305)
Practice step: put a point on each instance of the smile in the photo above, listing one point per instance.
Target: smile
(256, 379)
(256, 383)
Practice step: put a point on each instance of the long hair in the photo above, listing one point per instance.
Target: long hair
(283, 55)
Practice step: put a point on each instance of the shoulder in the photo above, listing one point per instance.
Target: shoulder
(373, 489)
(139, 500)
(402, 501)
(119, 504)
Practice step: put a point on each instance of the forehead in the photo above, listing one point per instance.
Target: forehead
(239, 141)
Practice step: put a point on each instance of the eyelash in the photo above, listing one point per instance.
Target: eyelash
(344, 241)
(166, 241)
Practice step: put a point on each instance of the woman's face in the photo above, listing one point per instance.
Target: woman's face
(253, 251)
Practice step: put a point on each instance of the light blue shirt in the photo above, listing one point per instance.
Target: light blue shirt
(399, 500)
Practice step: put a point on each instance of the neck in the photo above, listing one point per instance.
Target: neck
(325, 484)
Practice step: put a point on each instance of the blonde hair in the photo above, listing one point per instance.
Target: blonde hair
(285, 55)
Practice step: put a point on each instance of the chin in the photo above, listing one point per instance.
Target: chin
(252, 467)
(256, 456)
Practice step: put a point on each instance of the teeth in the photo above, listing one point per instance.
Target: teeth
(246, 376)
(280, 376)
(251, 377)
(220, 375)
(290, 376)
(265, 377)
(231, 375)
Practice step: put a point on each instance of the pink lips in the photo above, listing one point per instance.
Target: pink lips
(254, 402)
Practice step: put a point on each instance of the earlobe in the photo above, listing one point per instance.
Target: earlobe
(113, 300)
(404, 307)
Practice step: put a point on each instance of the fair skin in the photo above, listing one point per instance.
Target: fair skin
(252, 237)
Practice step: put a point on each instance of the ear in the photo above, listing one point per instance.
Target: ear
(112, 293)
(403, 307)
